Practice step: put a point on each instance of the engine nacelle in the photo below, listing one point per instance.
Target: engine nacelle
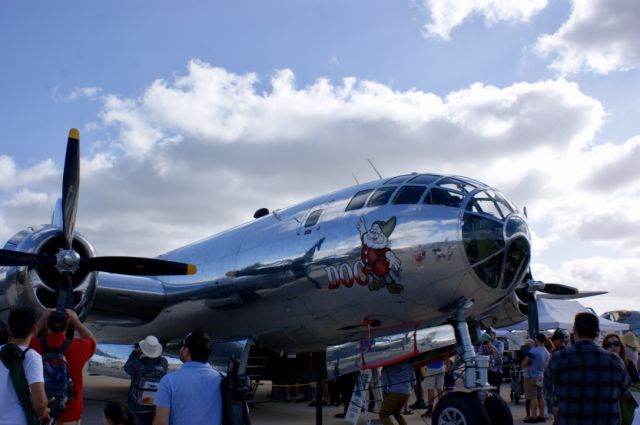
(38, 286)
(510, 311)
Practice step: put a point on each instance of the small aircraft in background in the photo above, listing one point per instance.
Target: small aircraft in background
(630, 317)
(410, 267)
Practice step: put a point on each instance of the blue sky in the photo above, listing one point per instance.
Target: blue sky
(534, 97)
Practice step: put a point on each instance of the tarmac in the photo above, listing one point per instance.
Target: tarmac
(100, 389)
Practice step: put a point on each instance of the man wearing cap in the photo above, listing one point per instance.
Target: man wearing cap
(77, 354)
(535, 362)
(146, 355)
(191, 395)
(559, 339)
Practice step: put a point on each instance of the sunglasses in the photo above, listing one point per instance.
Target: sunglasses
(611, 344)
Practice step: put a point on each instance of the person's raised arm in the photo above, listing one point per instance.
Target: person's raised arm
(74, 320)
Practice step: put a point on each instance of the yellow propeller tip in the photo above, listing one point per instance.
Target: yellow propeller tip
(191, 269)
(74, 134)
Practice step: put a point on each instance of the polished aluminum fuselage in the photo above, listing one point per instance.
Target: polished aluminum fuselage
(293, 288)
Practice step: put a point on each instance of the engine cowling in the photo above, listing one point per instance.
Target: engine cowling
(37, 286)
(510, 311)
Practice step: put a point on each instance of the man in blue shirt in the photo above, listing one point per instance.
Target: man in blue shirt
(535, 362)
(191, 395)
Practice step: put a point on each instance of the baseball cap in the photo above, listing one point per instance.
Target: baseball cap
(58, 321)
(562, 334)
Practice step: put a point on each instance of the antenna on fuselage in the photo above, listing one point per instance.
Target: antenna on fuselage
(374, 168)
(354, 177)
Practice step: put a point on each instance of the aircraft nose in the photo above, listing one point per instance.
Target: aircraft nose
(496, 239)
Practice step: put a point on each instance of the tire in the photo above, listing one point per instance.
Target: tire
(460, 408)
(498, 410)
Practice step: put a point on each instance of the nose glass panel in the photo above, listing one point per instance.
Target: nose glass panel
(496, 241)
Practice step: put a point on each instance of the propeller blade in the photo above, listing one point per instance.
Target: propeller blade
(559, 289)
(70, 185)
(18, 258)
(532, 316)
(572, 296)
(65, 293)
(138, 266)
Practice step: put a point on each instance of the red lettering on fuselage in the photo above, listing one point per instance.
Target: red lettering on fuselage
(345, 274)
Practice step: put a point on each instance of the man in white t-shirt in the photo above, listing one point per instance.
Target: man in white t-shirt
(22, 326)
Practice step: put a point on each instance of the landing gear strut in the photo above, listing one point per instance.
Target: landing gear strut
(478, 406)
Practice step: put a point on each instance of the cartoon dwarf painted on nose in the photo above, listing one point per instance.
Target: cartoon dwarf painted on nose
(378, 259)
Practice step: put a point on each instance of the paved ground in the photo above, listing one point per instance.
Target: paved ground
(99, 389)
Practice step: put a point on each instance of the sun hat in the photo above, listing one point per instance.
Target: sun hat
(630, 340)
(151, 347)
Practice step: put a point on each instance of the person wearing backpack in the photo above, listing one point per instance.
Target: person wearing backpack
(146, 366)
(57, 351)
(22, 397)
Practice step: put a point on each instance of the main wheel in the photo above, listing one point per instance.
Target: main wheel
(498, 410)
(460, 408)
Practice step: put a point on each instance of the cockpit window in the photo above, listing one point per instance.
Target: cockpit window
(381, 196)
(484, 204)
(498, 263)
(398, 179)
(358, 200)
(455, 184)
(505, 206)
(313, 218)
(409, 195)
(443, 197)
(483, 241)
(424, 179)
(516, 225)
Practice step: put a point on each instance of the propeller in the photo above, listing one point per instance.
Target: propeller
(68, 261)
(549, 291)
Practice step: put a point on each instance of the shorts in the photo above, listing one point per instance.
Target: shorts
(534, 388)
(434, 379)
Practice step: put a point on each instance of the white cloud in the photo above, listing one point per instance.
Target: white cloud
(600, 36)
(41, 174)
(615, 166)
(80, 92)
(448, 14)
(619, 276)
(7, 172)
(201, 152)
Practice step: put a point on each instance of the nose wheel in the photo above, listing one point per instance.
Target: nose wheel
(460, 408)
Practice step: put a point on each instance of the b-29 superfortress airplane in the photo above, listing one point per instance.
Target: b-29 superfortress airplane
(409, 267)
